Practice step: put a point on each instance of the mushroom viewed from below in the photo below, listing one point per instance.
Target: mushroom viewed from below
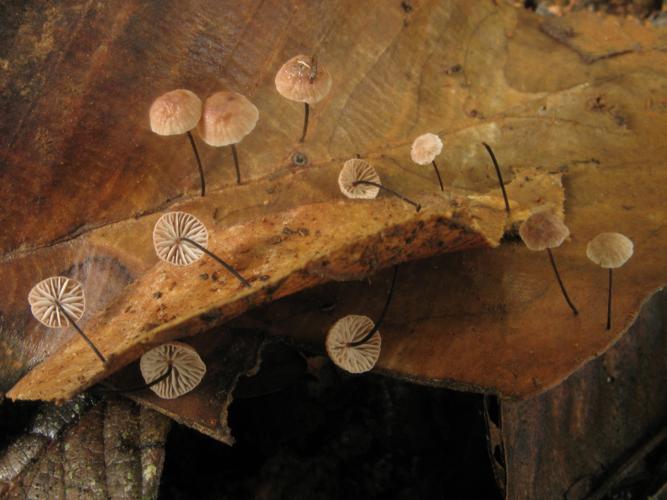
(303, 79)
(610, 251)
(227, 117)
(175, 113)
(424, 150)
(180, 361)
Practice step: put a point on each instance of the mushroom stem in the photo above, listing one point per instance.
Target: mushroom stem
(235, 155)
(380, 186)
(609, 301)
(305, 121)
(141, 387)
(500, 175)
(199, 165)
(368, 336)
(560, 282)
(229, 268)
(435, 166)
(80, 332)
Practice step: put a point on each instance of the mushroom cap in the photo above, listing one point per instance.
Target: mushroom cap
(358, 170)
(425, 148)
(543, 230)
(353, 359)
(167, 234)
(226, 119)
(187, 369)
(295, 81)
(175, 112)
(57, 289)
(610, 250)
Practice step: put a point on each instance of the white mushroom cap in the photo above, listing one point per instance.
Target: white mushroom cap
(425, 148)
(226, 119)
(358, 170)
(67, 292)
(610, 250)
(167, 234)
(175, 112)
(298, 80)
(187, 369)
(353, 359)
(543, 230)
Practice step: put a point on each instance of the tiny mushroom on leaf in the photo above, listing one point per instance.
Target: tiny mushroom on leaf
(609, 251)
(226, 119)
(543, 230)
(58, 302)
(424, 150)
(359, 180)
(303, 79)
(175, 113)
(181, 239)
(176, 365)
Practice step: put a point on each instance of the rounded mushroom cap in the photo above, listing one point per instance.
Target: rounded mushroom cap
(299, 79)
(543, 230)
(610, 250)
(358, 170)
(187, 369)
(167, 238)
(353, 359)
(425, 148)
(175, 112)
(45, 296)
(226, 119)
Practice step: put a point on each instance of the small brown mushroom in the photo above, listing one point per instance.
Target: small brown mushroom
(303, 79)
(175, 113)
(57, 302)
(543, 230)
(359, 180)
(181, 239)
(177, 365)
(610, 251)
(226, 119)
(424, 150)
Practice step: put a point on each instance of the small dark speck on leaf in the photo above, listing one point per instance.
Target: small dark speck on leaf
(264, 277)
(452, 70)
(406, 7)
(157, 295)
(299, 159)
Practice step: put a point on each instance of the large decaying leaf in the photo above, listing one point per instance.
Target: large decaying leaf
(577, 96)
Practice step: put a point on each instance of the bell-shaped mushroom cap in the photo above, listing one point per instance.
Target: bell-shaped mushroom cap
(610, 250)
(175, 112)
(299, 79)
(187, 369)
(543, 230)
(167, 238)
(353, 359)
(425, 148)
(358, 170)
(45, 296)
(226, 119)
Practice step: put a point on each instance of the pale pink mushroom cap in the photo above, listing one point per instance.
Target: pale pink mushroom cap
(175, 112)
(45, 294)
(226, 119)
(167, 234)
(187, 369)
(610, 250)
(295, 81)
(425, 148)
(543, 230)
(358, 170)
(353, 359)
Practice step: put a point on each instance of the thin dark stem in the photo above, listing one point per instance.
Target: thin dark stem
(442, 188)
(305, 121)
(80, 332)
(407, 200)
(500, 175)
(141, 387)
(235, 154)
(229, 268)
(560, 282)
(199, 165)
(368, 336)
(609, 302)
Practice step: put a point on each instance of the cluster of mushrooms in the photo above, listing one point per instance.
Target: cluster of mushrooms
(353, 343)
